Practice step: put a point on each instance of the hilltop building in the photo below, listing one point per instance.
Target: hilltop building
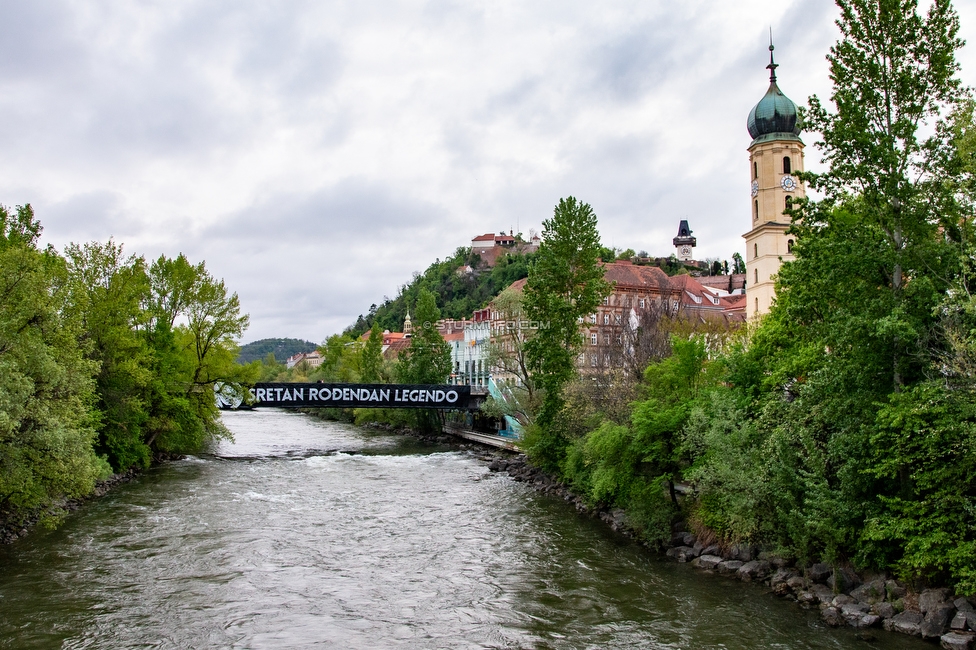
(490, 247)
(775, 155)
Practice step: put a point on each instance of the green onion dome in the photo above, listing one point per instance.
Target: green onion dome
(775, 116)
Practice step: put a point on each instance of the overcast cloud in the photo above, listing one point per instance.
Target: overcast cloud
(315, 154)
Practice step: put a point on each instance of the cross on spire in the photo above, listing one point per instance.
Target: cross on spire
(772, 64)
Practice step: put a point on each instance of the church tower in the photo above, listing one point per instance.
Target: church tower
(776, 153)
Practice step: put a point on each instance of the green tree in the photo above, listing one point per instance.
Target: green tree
(428, 359)
(46, 387)
(565, 284)
(831, 373)
(893, 74)
(738, 265)
(107, 292)
(372, 360)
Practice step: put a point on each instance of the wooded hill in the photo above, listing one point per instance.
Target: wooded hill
(280, 348)
(461, 283)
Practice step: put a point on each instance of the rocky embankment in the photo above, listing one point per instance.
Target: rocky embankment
(843, 596)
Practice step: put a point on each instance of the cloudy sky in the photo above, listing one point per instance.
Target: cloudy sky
(316, 154)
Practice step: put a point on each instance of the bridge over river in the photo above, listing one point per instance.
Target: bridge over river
(322, 395)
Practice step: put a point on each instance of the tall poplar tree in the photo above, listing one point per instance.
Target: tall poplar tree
(565, 285)
(372, 359)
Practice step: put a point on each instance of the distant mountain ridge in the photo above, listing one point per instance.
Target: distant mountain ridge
(281, 348)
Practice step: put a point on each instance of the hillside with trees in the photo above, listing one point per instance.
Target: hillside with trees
(282, 349)
(460, 284)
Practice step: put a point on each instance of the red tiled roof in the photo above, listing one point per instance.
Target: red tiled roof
(395, 347)
(628, 275)
(486, 237)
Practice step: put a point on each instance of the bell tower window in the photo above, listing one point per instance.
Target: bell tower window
(755, 251)
(787, 165)
(755, 215)
(789, 245)
(755, 170)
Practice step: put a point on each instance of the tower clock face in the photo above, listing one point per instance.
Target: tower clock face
(685, 251)
(755, 188)
(788, 183)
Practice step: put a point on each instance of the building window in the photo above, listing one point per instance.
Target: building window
(789, 245)
(606, 319)
(755, 215)
(606, 339)
(593, 361)
(787, 166)
(616, 319)
(755, 170)
(606, 300)
(757, 275)
(641, 303)
(592, 339)
(755, 251)
(757, 305)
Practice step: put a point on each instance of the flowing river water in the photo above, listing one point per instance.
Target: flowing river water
(305, 533)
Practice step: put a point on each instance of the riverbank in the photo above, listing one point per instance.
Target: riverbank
(11, 531)
(843, 596)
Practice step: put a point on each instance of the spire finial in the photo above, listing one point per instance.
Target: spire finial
(772, 64)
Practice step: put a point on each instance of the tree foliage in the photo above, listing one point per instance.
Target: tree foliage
(565, 284)
(105, 362)
(46, 383)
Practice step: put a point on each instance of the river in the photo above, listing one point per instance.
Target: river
(304, 533)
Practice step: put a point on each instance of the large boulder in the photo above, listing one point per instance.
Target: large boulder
(854, 612)
(843, 580)
(905, 623)
(884, 610)
(683, 553)
(743, 552)
(936, 622)
(754, 571)
(712, 549)
(832, 616)
(870, 592)
(932, 599)
(956, 641)
(779, 582)
(729, 566)
(797, 583)
(819, 572)
(708, 562)
(823, 593)
(894, 590)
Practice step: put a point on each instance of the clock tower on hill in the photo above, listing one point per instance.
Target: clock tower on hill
(776, 153)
